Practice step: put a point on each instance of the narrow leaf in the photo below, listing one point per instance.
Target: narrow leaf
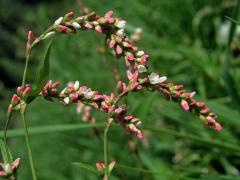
(87, 167)
(42, 76)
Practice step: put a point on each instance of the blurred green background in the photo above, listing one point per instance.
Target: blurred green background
(187, 41)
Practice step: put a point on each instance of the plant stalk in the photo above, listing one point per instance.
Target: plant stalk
(105, 144)
(28, 146)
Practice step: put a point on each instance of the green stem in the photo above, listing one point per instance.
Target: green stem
(5, 139)
(105, 151)
(28, 147)
(25, 68)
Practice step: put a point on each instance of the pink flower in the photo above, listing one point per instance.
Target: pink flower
(100, 166)
(218, 127)
(184, 105)
(15, 99)
(8, 169)
(111, 166)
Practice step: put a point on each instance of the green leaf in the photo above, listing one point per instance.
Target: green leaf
(42, 76)
(87, 167)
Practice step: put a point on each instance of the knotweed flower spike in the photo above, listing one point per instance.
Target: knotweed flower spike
(137, 71)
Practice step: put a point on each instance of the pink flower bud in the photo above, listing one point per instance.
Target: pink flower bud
(119, 110)
(26, 91)
(218, 127)
(205, 110)
(63, 29)
(130, 57)
(112, 43)
(211, 120)
(15, 99)
(56, 84)
(9, 111)
(200, 104)
(98, 29)
(139, 134)
(100, 166)
(132, 128)
(119, 50)
(70, 15)
(20, 90)
(73, 96)
(30, 36)
(111, 166)
(88, 25)
(15, 164)
(109, 14)
(184, 105)
(3, 174)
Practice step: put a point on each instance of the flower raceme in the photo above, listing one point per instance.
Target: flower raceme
(137, 71)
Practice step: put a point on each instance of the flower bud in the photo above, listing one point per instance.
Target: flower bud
(15, 99)
(66, 100)
(155, 79)
(69, 16)
(26, 90)
(142, 68)
(76, 85)
(120, 24)
(184, 105)
(111, 166)
(76, 25)
(218, 127)
(58, 21)
(140, 53)
(49, 35)
(109, 14)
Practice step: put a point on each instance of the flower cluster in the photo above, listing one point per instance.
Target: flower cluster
(17, 101)
(101, 167)
(137, 72)
(86, 98)
(9, 169)
(177, 93)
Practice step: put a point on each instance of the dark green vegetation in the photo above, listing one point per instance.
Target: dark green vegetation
(184, 42)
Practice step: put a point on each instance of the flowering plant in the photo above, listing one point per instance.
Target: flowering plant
(137, 71)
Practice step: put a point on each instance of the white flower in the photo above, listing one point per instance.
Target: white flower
(76, 25)
(155, 79)
(88, 93)
(6, 168)
(120, 32)
(76, 85)
(63, 92)
(66, 100)
(58, 21)
(121, 24)
(49, 35)
(142, 68)
(140, 53)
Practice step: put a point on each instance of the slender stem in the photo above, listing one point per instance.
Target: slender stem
(5, 138)
(28, 146)
(105, 145)
(25, 68)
